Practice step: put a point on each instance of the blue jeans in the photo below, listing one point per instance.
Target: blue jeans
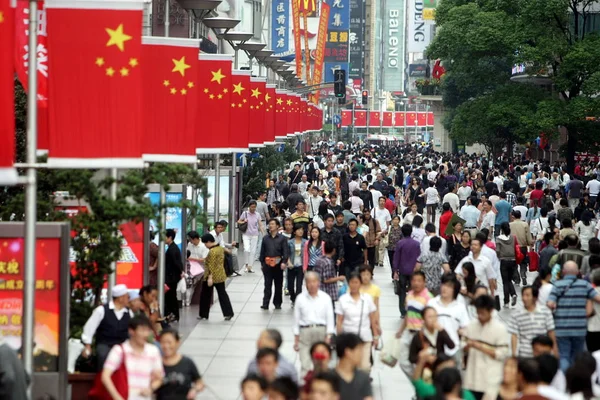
(568, 348)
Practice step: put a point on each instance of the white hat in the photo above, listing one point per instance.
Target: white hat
(119, 290)
(134, 294)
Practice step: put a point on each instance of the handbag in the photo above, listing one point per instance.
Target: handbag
(497, 303)
(196, 268)
(119, 379)
(391, 352)
(519, 256)
(534, 261)
(209, 281)
(243, 226)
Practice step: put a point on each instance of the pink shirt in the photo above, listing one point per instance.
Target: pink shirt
(140, 367)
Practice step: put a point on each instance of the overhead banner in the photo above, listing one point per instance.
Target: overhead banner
(393, 55)
(357, 43)
(320, 51)
(280, 26)
(297, 36)
(338, 38)
(419, 32)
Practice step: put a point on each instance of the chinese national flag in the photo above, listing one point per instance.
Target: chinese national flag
(170, 96)
(8, 175)
(239, 128)
(430, 119)
(422, 119)
(291, 115)
(280, 115)
(214, 85)
(374, 118)
(399, 119)
(360, 118)
(257, 112)
(95, 84)
(270, 99)
(388, 117)
(411, 119)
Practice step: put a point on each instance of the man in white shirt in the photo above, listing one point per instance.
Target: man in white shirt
(376, 194)
(432, 197)
(382, 214)
(430, 232)
(488, 218)
(521, 208)
(452, 198)
(593, 188)
(314, 201)
(464, 192)
(484, 271)
(220, 238)
(303, 185)
(470, 214)
(499, 181)
(313, 319)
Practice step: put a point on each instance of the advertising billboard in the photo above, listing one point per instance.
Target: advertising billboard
(338, 34)
(280, 26)
(393, 56)
(419, 31)
(174, 216)
(357, 43)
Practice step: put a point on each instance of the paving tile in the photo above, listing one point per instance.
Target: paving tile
(238, 348)
(253, 319)
(200, 347)
(228, 367)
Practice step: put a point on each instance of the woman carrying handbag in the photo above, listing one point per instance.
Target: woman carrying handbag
(214, 277)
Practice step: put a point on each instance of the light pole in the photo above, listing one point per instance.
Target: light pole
(381, 108)
(354, 97)
(403, 104)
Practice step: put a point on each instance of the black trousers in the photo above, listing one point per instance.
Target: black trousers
(403, 287)
(171, 305)
(371, 254)
(391, 257)
(273, 275)
(206, 297)
(102, 351)
(295, 276)
(507, 268)
(592, 340)
(349, 269)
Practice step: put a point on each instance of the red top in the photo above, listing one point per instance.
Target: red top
(389, 204)
(444, 221)
(536, 195)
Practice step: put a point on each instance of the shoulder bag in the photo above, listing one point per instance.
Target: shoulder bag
(119, 379)
(243, 226)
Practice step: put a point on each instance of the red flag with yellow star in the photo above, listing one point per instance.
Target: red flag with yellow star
(8, 175)
(95, 83)
(239, 128)
(270, 101)
(280, 114)
(290, 115)
(257, 112)
(214, 105)
(374, 118)
(170, 96)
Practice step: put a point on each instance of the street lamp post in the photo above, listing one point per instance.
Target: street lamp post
(381, 108)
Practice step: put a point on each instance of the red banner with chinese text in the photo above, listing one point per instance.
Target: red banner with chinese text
(320, 50)
(297, 38)
(47, 298)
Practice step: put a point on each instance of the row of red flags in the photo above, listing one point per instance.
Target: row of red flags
(110, 98)
(388, 119)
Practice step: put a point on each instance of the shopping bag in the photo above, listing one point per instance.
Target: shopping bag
(390, 353)
(534, 261)
(181, 286)
(195, 268)
(119, 379)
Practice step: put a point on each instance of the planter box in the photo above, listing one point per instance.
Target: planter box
(81, 383)
(429, 90)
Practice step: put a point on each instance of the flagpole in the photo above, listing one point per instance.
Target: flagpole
(31, 197)
(217, 186)
(112, 277)
(167, 17)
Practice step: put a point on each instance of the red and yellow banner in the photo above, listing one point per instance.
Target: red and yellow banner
(297, 38)
(320, 53)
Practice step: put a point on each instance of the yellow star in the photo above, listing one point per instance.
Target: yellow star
(261, 103)
(117, 37)
(233, 105)
(217, 76)
(225, 90)
(183, 91)
(124, 72)
(190, 84)
(166, 83)
(240, 105)
(220, 96)
(173, 91)
(238, 88)
(267, 97)
(255, 93)
(244, 101)
(110, 71)
(99, 61)
(180, 66)
(206, 90)
(1, 17)
(212, 96)
(252, 107)
(133, 62)
(279, 101)
(257, 107)
(289, 102)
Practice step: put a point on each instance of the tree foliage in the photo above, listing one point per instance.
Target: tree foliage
(480, 41)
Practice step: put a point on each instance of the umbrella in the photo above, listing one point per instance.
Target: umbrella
(453, 221)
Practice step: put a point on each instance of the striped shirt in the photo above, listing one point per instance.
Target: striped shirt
(527, 325)
(415, 303)
(571, 295)
(140, 367)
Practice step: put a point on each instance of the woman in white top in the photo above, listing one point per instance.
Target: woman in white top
(542, 282)
(357, 203)
(356, 313)
(585, 230)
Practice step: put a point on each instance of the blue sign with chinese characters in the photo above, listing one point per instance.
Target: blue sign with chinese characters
(280, 26)
(339, 17)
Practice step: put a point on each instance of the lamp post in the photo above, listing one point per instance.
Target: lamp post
(381, 108)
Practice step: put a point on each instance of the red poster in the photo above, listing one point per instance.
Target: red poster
(346, 117)
(130, 267)
(374, 118)
(430, 119)
(47, 298)
(360, 118)
(422, 119)
(388, 117)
